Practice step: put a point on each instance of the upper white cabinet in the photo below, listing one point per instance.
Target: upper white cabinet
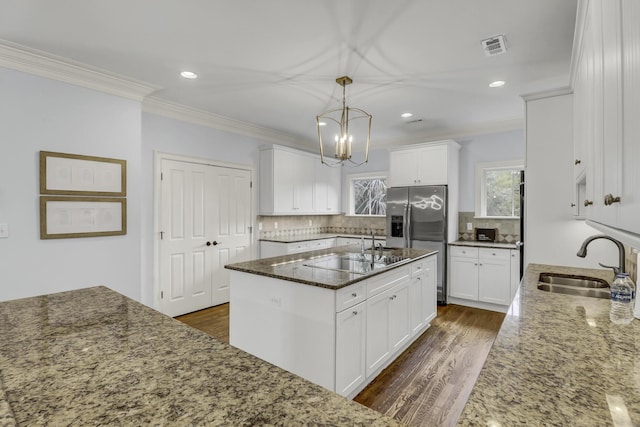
(294, 182)
(327, 189)
(606, 107)
(434, 163)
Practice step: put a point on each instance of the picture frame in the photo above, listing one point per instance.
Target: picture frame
(75, 174)
(70, 217)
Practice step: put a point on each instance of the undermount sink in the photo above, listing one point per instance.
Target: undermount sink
(353, 262)
(574, 285)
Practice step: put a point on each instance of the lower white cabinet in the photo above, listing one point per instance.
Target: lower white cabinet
(388, 318)
(481, 274)
(340, 339)
(270, 249)
(351, 329)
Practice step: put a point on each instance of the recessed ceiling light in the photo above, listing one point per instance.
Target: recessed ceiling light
(189, 75)
(497, 83)
(406, 115)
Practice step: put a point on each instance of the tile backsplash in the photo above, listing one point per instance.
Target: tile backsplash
(294, 225)
(508, 229)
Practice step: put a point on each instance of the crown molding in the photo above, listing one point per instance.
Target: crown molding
(43, 64)
(578, 39)
(547, 93)
(457, 134)
(183, 113)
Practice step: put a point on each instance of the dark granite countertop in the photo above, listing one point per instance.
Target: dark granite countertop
(95, 357)
(306, 237)
(292, 267)
(476, 244)
(558, 361)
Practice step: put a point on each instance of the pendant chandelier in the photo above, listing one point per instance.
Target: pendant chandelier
(345, 132)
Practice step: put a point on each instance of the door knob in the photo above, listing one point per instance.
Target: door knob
(214, 243)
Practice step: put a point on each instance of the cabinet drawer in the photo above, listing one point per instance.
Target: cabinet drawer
(418, 267)
(350, 296)
(490, 253)
(384, 281)
(463, 251)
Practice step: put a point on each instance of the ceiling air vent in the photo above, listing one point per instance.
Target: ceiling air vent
(494, 45)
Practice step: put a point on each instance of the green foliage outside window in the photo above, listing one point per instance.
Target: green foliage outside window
(502, 192)
(370, 196)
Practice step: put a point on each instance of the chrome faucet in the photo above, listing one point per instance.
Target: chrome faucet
(582, 252)
(373, 246)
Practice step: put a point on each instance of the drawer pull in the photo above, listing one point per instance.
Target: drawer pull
(355, 313)
(354, 295)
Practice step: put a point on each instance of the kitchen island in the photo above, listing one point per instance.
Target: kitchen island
(335, 317)
(558, 360)
(95, 357)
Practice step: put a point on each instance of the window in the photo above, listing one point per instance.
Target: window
(367, 194)
(498, 194)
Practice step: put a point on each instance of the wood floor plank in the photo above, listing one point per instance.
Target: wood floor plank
(430, 382)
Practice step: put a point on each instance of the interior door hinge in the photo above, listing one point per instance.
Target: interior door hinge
(250, 184)
(161, 176)
(161, 235)
(161, 294)
(250, 230)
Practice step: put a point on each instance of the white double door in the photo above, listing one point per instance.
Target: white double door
(205, 220)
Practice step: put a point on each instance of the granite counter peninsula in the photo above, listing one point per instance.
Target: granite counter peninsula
(332, 316)
(558, 361)
(95, 357)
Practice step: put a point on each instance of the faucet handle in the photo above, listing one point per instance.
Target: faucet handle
(616, 270)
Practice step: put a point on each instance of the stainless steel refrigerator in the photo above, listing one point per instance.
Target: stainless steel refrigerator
(417, 218)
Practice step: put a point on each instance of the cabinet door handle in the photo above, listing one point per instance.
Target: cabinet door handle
(355, 313)
(354, 295)
(588, 203)
(577, 162)
(573, 205)
(609, 200)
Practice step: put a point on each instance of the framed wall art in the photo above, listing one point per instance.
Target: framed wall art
(68, 217)
(74, 174)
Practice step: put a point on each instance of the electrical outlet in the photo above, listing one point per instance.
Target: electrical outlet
(4, 231)
(469, 226)
(275, 225)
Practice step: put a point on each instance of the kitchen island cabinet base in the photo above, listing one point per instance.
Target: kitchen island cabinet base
(321, 334)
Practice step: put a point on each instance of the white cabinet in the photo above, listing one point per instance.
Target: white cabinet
(463, 273)
(294, 182)
(344, 241)
(424, 164)
(423, 294)
(327, 189)
(387, 325)
(494, 276)
(351, 327)
(340, 339)
(286, 181)
(270, 249)
(481, 274)
(515, 271)
(606, 107)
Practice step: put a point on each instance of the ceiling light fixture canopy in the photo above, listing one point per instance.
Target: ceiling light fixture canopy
(345, 131)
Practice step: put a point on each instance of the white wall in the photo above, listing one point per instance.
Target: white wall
(161, 134)
(41, 114)
(552, 236)
(485, 148)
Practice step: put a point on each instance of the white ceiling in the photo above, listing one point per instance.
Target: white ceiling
(273, 63)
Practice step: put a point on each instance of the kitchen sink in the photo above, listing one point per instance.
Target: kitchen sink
(574, 285)
(353, 262)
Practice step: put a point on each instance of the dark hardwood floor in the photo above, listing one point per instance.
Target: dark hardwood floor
(430, 382)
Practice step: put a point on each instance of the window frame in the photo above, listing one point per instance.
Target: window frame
(481, 192)
(351, 191)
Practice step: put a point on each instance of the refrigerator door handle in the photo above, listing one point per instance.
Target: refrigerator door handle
(407, 233)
